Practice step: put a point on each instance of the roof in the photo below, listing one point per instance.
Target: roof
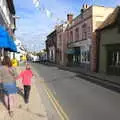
(111, 19)
(52, 33)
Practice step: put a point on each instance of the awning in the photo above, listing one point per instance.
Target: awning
(70, 51)
(6, 41)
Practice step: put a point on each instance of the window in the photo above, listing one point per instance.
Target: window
(85, 55)
(115, 58)
(89, 33)
(77, 34)
(71, 36)
(60, 40)
(84, 31)
(88, 29)
(68, 39)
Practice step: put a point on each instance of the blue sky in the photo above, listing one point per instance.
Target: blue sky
(34, 25)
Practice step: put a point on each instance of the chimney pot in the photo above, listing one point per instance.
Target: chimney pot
(85, 6)
(69, 17)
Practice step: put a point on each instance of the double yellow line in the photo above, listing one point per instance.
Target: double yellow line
(55, 103)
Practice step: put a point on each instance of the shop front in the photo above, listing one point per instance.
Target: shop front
(109, 44)
(80, 55)
(76, 56)
(70, 52)
(113, 59)
(73, 55)
(85, 57)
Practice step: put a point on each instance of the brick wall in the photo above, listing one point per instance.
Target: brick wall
(94, 53)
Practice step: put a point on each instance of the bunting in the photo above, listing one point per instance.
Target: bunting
(36, 3)
(46, 11)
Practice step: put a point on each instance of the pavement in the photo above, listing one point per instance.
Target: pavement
(109, 81)
(35, 110)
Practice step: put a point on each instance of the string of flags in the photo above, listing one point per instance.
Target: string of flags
(48, 13)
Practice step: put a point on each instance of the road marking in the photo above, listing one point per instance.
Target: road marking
(55, 103)
(58, 105)
(58, 112)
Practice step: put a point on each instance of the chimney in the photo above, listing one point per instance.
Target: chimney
(85, 6)
(69, 17)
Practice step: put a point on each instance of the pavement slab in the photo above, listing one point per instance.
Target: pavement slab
(34, 110)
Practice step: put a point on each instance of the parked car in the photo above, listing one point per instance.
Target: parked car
(35, 59)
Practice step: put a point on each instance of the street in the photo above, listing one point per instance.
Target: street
(80, 99)
(69, 56)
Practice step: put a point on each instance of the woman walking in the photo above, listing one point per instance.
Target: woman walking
(8, 76)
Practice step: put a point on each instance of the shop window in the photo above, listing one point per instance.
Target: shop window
(113, 62)
(85, 56)
(115, 58)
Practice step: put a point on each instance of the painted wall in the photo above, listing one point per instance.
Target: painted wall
(99, 14)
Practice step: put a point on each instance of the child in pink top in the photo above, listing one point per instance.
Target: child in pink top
(26, 76)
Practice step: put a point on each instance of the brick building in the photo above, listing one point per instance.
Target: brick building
(76, 38)
(62, 41)
(81, 37)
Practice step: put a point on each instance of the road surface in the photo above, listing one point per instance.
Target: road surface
(80, 99)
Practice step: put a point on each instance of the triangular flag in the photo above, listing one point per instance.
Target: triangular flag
(34, 1)
(37, 4)
(48, 13)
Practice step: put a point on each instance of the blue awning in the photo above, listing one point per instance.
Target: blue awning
(6, 41)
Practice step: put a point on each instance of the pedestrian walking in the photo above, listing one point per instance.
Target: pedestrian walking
(8, 76)
(26, 76)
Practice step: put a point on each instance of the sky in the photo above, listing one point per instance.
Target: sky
(35, 24)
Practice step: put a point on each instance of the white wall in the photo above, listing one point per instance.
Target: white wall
(4, 11)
